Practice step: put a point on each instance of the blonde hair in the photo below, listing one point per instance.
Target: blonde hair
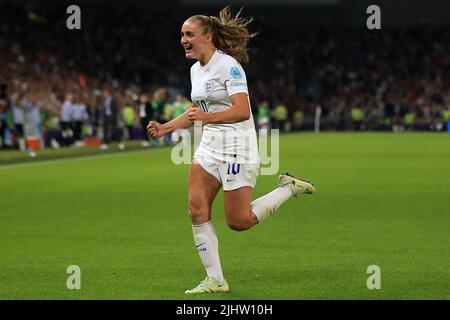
(230, 33)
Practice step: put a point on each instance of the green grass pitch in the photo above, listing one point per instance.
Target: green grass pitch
(382, 199)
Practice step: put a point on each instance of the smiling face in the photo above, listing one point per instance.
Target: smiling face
(196, 42)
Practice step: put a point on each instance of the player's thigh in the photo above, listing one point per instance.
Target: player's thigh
(203, 188)
(237, 205)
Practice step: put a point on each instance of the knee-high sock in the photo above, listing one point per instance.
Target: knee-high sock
(266, 205)
(207, 245)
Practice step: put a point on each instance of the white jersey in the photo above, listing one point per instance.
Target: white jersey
(67, 111)
(79, 112)
(18, 112)
(34, 113)
(212, 86)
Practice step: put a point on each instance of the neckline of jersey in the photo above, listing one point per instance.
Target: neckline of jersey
(210, 60)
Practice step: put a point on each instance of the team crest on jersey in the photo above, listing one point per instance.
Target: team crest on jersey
(209, 88)
(235, 73)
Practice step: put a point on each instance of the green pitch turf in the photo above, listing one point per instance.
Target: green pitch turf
(382, 199)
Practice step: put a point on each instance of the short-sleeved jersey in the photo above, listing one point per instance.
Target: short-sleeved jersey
(212, 86)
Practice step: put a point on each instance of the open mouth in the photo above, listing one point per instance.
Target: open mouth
(188, 48)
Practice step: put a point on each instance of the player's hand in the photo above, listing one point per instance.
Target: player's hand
(197, 114)
(154, 129)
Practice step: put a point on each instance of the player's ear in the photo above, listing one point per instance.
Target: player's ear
(209, 36)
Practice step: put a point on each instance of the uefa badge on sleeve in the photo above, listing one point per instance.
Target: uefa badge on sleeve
(235, 73)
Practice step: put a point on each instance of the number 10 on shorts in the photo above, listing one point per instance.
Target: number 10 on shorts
(235, 167)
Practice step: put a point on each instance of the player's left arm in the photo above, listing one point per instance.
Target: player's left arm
(238, 112)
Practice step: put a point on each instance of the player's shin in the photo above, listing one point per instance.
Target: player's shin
(266, 205)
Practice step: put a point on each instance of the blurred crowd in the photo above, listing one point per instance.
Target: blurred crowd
(81, 117)
(127, 67)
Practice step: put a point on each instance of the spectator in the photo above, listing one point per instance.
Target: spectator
(33, 109)
(280, 114)
(297, 120)
(110, 113)
(263, 117)
(80, 117)
(67, 120)
(158, 104)
(129, 119)
(145, 115)
(3, 115)
(357, 118)
(18, 103)
(180, 105)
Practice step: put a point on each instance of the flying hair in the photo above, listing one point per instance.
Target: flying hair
(230, 33)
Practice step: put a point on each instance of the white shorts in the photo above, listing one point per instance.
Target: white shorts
(232, 176)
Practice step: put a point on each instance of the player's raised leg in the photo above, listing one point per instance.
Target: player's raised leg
(203, 188)
(288, 186)
(242, 213)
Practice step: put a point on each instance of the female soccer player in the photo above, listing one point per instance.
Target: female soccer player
(228, 154)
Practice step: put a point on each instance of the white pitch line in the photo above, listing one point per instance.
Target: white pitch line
(75, 158)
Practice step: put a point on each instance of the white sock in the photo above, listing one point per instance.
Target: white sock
(266, 205)
(207, 245)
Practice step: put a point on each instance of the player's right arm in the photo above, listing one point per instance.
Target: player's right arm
(157, 130)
